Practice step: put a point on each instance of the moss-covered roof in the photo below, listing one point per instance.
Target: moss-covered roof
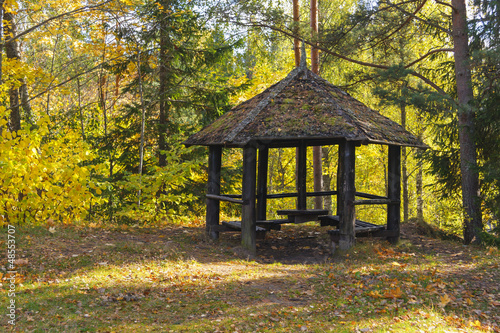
(302, 106)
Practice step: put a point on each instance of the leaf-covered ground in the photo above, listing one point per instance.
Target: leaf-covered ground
(174, 280)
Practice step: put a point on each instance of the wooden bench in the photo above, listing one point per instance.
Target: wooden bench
(361, 229)
(272, 224)
(302, 215)
(236, 226)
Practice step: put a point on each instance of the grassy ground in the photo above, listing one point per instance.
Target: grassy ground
(174, 280)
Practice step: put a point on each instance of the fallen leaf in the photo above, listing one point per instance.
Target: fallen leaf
(444, 300)
(393, 293)
(21, 262)
(374, 294)
(52, 230)
(495, 303)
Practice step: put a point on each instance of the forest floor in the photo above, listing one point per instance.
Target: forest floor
(173, 279)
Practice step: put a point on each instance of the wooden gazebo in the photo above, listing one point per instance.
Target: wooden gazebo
(302, 110)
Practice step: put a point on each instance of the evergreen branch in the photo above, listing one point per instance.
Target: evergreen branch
(406, 22)
(426, 55)
(312, 44)
(335, 54)
(419, 18)
(429, 82)
(445, 4)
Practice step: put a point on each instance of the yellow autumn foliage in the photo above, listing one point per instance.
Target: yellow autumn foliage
(43, 176)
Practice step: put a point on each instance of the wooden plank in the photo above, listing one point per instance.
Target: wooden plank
(362, 227)
(224, 198)
(248, 216)
(329, 220)
(302, 212)
(373, 202)
(308, 194)
(302, 175)
(394, 191)
(213, 188)
(236, 225)
(234, 196)
(369, 196)
(280, 221)
(262, 183)
(272, 224)
(348, 191)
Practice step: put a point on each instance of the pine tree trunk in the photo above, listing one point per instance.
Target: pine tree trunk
(468, 158)
(317, 160)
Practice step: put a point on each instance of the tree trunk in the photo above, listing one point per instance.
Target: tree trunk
(162, 90)
(296, 49)
(327, 181)
(296, 41)
(25, 102)
(317, 160)
(12, 53)
(79, 91)
(1, 47)
(468, 158)
(419, 180)
(420, 199)
(143, 124)
(404, 171)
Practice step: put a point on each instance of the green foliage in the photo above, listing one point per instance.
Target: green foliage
(491, 238)
(161, 195)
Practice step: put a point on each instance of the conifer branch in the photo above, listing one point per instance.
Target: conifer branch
(426, 55)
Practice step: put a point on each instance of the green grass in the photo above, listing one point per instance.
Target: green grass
(173, 280)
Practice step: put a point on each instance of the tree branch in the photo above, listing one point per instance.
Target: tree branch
(362, 63)
(408, 20)
(426, 55)
(418, 18)
(445, 4)
(75, 11)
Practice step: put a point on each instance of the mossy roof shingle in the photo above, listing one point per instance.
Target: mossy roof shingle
(302, 106)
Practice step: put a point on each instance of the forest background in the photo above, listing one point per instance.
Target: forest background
(97, 96)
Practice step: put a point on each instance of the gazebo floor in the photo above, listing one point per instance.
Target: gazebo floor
(362, 228)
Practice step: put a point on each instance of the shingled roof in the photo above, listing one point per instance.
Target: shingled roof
(302, 106)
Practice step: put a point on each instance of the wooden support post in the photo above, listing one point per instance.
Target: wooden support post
(340, 163)
(213, 188)
(248, 217)
(302, 176)
(347, 192)
(394, 192)
(262, 183)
